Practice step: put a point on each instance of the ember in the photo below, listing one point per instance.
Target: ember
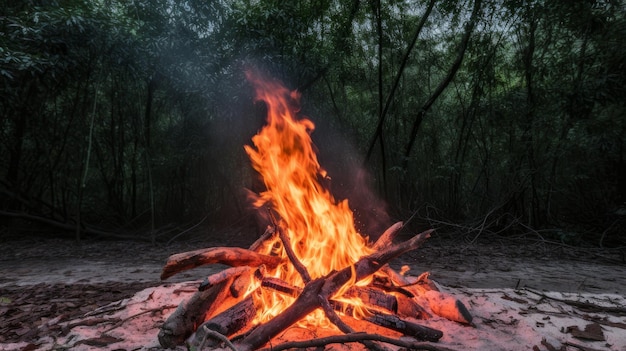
(311, 267)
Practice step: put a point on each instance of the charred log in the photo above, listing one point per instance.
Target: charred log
(227, 323)
(405, 327)
(190, 314)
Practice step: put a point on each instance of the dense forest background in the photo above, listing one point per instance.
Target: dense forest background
(478, 116)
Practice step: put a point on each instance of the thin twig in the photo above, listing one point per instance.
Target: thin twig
(355, 337)
(156, 309)
(185, 231)
(585, 306)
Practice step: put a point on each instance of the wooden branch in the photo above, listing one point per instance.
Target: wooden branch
(304, 273)
(387, 237)
(405, 327)
(354, 337)
(309, 301)
(232, 256)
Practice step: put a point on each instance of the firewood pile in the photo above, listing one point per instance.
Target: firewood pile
(224, 309)
(311, 268)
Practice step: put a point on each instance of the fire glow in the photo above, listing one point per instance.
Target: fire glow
(321, 230)
(309, 264)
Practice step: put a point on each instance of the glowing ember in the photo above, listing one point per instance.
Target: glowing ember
(321, 229)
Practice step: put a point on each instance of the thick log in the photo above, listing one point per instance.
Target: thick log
(227, 323)
(374, 297)
(232, 256)
(408, 307)
(448, 306)
(405, 327)
(309, 300)
(190, 314)
(223, 275)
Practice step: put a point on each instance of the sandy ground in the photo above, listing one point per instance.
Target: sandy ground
(454, 264)
(518, 294)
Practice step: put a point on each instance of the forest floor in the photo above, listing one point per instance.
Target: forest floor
(44, 280)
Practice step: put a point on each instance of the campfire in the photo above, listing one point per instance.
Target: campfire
(311, 268)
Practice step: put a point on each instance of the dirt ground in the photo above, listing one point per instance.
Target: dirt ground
(41, 278)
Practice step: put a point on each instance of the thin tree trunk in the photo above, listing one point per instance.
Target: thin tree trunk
(376, 7)
(533, 211)
(83, 181)
(381, 118)
(444, 84)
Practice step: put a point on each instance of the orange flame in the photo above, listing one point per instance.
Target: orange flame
(321, 229)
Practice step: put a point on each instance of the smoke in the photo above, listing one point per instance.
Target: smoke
(348, 179)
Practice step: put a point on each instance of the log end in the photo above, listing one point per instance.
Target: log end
(448, 307)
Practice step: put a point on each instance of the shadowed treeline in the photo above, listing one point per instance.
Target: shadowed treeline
(477, 116)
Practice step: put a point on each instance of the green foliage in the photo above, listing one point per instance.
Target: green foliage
(531, 127)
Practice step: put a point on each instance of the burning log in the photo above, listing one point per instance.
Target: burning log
(208, 300)
(232, 256)
(180, 324)
(227, 323)
(374, 297)
(408, 307)
(369, 296)
(222, 276)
